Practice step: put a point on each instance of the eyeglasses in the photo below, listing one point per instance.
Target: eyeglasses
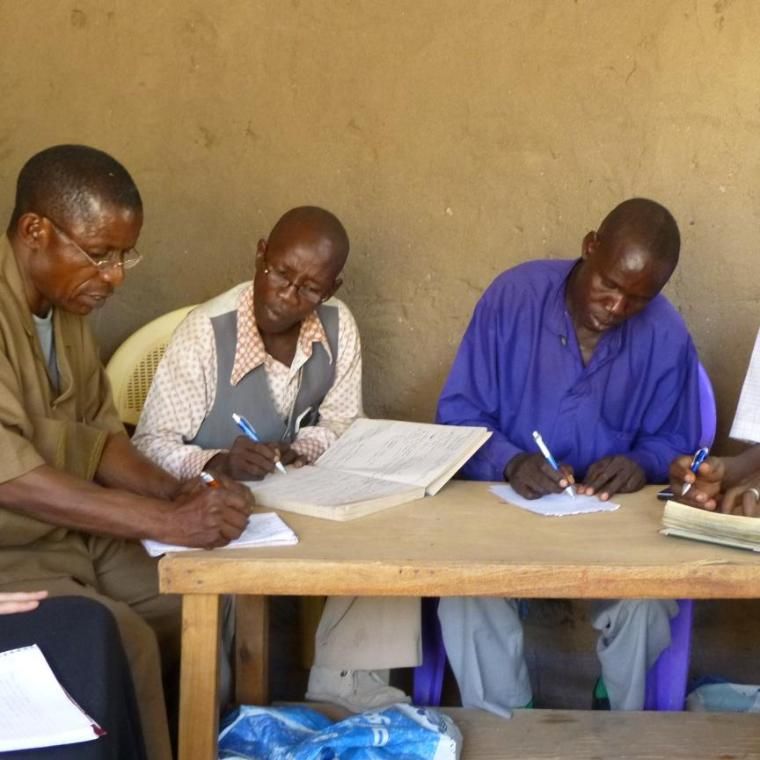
(280, 281)
(102, 261)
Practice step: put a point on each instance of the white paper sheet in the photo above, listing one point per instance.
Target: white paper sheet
(746, 425)
(35, 711)
(408, 452)
(264, 529)
(554, 504)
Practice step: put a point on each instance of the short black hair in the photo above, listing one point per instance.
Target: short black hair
(648, 222)
(62, 181)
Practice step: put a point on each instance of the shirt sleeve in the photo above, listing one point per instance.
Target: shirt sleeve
(343, 402)
(180, 397)
(672, 424)
(472, 394)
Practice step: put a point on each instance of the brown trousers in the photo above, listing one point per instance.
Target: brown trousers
(126, 581)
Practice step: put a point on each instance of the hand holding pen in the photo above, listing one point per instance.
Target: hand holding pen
(699, 456)
(536, 475)
(544, 449)
(249, 431)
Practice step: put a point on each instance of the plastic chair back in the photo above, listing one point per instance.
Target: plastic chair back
(668, 678)
(134, 363)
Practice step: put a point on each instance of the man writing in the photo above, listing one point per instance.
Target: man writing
(284, 354)
(589, 354)
(75, 495)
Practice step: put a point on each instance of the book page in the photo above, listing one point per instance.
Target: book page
(324, 493)
(714, 525)
(264, 529)
(746, 425)
(408, 452)
(554, 504)
(35, 711)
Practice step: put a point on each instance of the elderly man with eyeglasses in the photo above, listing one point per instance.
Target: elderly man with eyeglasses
(285, 354)
(75, 495)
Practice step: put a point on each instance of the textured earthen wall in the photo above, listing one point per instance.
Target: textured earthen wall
(453, 138)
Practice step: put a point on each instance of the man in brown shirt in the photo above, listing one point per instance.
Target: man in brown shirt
(75, 495)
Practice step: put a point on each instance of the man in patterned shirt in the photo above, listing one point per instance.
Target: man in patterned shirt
(285, 354)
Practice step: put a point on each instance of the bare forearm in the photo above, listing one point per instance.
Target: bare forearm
(122, 466)
(60, 499)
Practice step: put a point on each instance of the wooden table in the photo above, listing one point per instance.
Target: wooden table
(463, 541)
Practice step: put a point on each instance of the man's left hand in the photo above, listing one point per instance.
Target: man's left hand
(612, 475)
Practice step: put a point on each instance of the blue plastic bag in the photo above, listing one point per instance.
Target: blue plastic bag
(401, 732)
(717, 695)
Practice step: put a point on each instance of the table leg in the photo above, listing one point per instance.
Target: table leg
(252, 650)
(199, 680)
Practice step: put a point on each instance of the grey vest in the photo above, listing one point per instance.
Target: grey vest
(251, 397)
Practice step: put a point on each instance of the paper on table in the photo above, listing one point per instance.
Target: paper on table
(414, 453)
(35, 711)
(554, 504)
(263, 529)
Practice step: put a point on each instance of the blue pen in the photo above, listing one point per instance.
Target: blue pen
(544, 449)
(697, 459)
(248, 430)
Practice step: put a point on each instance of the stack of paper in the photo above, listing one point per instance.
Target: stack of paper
(265, 529)
(35, 711)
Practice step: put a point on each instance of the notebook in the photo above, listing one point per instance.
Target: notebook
(35, 710)
(263, 529)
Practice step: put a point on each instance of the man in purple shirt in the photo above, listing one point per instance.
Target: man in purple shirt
(591, 355)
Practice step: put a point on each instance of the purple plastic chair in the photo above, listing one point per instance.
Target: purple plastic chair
(667, 678)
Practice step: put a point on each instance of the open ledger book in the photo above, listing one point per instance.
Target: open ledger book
(714, 527)
(374, 465)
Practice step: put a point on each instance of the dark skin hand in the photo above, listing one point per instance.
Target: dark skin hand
(611, 475)
(707, 483)
(722, 484)
(248, 460)
(532, 476)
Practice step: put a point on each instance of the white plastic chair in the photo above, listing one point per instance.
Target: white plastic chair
(134, 363)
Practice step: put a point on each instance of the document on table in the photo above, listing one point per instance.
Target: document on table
(320, 492)
(35, 711)
(415, 453)
(263, 529)
(554, 504)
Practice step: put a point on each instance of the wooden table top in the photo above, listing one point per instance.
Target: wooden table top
(466, 541)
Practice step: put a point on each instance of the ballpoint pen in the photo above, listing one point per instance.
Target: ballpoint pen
(699, 456)
(544, 449)
(249, 431)
(210, 480)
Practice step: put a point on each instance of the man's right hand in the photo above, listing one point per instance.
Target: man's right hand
(209, 517)
(248, 460)
(706, 484)
(532, 476)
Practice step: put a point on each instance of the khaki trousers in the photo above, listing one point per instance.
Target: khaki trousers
(369, 633)
(126, 581)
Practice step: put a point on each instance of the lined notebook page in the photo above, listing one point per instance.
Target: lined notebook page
(35, 711)
(746, 425)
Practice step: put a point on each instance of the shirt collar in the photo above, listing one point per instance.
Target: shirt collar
(250, 351)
